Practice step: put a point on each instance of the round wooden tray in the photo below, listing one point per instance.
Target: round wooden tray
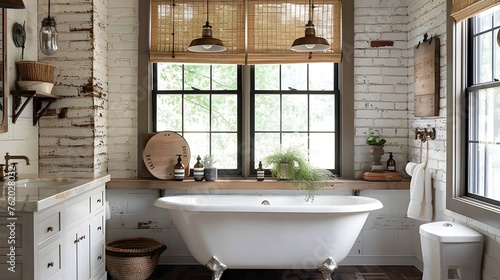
(160, 154)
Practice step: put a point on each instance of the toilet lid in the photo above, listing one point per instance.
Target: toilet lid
(449, 232)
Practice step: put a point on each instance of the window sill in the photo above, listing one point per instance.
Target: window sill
(249, 184)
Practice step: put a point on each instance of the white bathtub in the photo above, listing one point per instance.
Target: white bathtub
(242, 231)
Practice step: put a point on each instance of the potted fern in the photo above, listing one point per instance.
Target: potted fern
(292, 165)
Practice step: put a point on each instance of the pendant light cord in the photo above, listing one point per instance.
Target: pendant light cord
(49, 8)
(207, 12)
(173, 29)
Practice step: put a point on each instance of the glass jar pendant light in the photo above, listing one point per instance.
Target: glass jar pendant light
(310, 43)
(206, 43)
(48, 35)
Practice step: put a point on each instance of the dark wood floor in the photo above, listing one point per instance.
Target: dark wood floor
(199, 272)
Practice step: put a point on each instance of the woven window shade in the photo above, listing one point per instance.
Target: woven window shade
(271, 28)
(185, 21)
(273, 25)
(464, 9)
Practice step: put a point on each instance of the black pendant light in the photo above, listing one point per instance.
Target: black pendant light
(310, 43)
(12, 4)
(206, 43)
(48, 35)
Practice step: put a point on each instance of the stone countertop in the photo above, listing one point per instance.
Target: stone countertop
(21, 198)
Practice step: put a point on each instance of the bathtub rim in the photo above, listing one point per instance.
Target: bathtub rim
(173, 203)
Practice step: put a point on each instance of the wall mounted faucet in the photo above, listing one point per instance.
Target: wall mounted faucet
(14, 167)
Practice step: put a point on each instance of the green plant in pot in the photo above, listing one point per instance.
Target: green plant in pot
(292, 165)
(377, 150)
(209, 171)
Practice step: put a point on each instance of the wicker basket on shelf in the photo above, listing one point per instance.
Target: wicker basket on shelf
(133, 258)
(35, 71)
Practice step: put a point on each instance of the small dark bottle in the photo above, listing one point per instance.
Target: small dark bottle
(391, 163)
(260, 172)
(179, 169)
(198, 170)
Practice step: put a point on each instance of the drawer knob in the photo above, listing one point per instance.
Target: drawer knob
(99, 228)
(49, 229)
(99, 257)
(50, 264)
(99, 200)
(82, 237)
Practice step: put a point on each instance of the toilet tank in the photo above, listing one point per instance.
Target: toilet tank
(450, 251)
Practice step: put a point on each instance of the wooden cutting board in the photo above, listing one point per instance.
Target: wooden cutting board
(160, 154)
(386, 176)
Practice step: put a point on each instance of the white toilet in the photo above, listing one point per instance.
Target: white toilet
(450, 251)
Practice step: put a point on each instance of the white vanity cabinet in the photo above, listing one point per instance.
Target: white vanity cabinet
(63, 241)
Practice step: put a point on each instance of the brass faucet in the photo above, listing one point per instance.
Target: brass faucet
(9, 157)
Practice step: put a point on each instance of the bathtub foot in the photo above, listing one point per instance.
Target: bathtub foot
(216, 267)
(327, 268)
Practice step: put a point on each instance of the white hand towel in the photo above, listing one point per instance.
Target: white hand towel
(420, 206)
(410, 168)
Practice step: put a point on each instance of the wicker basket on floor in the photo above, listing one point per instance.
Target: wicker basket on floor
(35, 71)
(133, 258)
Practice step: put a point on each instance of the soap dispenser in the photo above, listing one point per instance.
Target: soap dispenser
(260, 172)
(198, 170)
(179, 169)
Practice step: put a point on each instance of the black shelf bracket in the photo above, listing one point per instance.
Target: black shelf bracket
(38, 108)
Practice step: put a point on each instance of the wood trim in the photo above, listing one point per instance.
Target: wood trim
(248, 185)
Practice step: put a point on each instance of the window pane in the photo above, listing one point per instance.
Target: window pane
(265, 144)
(293, 77)
(322, 150)
(294, 112)
(196, 77)
(224, 77)
(225, 150)
(267, 77)
(169, 76)
(267, 112)
(322, 115)
(484, 55)
(196, 112)
(484, 143)
(295, 140)
(484, 21)
(224, 113)
(321, 76)
(199, 144)
(168, 112)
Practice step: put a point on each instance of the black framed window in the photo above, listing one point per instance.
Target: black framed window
(483, 107)
(296, 106)
(203, 104)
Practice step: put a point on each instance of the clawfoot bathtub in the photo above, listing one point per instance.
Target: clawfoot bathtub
(269, 232)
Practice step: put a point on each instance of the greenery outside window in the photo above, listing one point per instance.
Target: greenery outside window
(202, 103)
(293, 105)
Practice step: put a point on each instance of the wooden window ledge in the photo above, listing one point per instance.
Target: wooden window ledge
(249, 184)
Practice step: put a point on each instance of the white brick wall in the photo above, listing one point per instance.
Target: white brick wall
(381, 80)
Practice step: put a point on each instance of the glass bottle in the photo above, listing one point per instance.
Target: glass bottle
(260, 172)
(198, 170)
(179, 169)
(391, 163)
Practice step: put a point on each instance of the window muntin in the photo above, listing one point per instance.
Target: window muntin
(201, 103)
(483, 104)
(295, 106)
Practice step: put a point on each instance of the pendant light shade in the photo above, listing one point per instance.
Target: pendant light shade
(48, 35)
(12, 4)
(206, 43)
(310, 43)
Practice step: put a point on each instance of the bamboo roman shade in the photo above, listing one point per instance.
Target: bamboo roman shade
(464, 9)
(254, 32)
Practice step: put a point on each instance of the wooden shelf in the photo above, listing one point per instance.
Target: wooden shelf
(38, 108)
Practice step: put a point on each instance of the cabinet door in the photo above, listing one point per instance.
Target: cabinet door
(76, 262)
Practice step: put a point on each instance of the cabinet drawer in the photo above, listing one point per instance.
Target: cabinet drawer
(97, 227)
(49, 261)
(96, 201)
(98, 254)
(49, 226)
(78, 210)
